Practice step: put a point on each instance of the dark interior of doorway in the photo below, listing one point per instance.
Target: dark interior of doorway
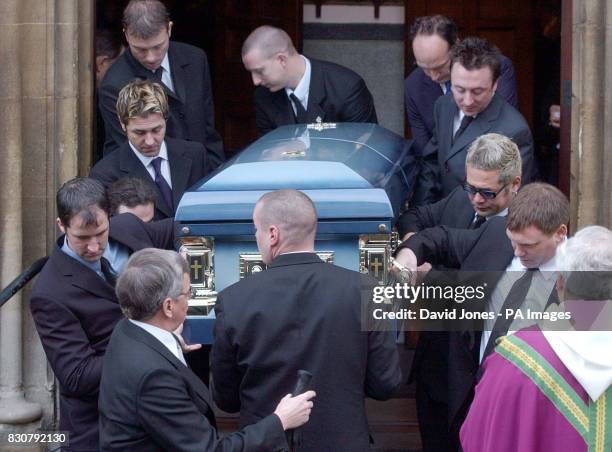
(193, 23)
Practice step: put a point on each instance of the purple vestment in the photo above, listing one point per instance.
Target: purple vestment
(510, 413)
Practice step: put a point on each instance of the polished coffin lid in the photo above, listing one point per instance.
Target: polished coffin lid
(352, 171)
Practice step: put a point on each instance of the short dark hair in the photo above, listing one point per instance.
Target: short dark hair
(145, 18)
(108, 44)
(439, 25)
(79, 196)
(474, 53)
(540, 205)
(130, 192)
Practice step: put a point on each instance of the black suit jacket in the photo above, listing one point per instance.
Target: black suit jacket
(444, 161)
(421, 93)
(192, 115)
(454, 211)
(150, 401)
(302, 313)
(430, 363)
(187, 161)
(336, 94)
(75, 312)
(487, 250)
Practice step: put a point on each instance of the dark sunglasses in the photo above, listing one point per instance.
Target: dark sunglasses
(487, 194)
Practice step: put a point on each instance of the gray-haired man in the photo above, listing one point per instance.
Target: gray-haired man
(149, 398)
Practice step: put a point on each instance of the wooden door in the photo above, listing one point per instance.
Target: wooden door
(507, 24)
(234, 20)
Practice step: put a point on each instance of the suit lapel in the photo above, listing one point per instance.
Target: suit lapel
(179, 69)
(447, 118)
(132, 166)
(283, 111)
(180, 169)
(479, 126)
(196, 384)
(81, 276)
(316, 94)
(142, 72)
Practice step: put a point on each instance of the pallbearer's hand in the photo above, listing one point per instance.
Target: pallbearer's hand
(295, 411)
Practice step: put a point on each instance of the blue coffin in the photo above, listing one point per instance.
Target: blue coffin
(358, 175)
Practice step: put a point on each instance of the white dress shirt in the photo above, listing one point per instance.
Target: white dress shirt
(146, 161)
(302, 88)
(542, 285)
(166, 75)
(168, 339)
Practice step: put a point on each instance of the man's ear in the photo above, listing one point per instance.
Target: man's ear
(561, 233)
(166, 307)
(515, 184)
(283, 58)
(274, 233)
(60, 225)
(122, 125)
(170, 28)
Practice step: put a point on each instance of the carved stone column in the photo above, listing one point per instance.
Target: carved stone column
(591, 162)
(45, 139)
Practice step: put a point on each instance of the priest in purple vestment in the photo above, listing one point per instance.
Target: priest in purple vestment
(545, 390)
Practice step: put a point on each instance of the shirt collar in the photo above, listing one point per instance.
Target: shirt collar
(163, 153)
(301, 90)
(547, 269)
(95, 266)
(503, 213)
(109, 253)
(164, 336)
(166, 63)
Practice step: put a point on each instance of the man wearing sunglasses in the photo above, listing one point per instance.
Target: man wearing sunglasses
(493, 177)
(514, 259)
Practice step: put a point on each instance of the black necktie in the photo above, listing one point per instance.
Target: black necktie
(477, 222)
(300, 117)
(157, 74)
(107, 271)
(162, 184)
(447, 85)
(515, 298)
(465, 122)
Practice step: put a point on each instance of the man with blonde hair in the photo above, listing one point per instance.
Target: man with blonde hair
(168, 164)
(293, 89)
(513, 258)
(180, 68)
(493, 177)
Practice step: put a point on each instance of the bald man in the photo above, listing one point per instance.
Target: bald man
(293, 89)
(300, 313)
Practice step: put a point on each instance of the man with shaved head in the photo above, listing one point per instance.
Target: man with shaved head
(300, 313)
(293, 89)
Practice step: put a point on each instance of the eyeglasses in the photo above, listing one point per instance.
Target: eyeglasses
(190, 294)
(487, 194)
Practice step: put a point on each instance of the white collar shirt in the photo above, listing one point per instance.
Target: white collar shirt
(302, 89)
(168, 339)
(542, 284)
(146, 162)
